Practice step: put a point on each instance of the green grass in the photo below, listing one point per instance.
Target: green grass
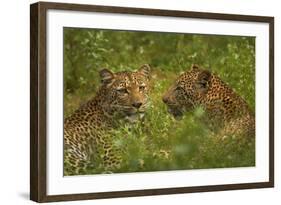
(160, 142)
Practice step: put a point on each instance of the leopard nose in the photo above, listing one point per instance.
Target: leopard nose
(164, 99)
(137, 104)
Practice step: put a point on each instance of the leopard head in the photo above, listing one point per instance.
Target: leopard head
(187, 91)
(126, 93)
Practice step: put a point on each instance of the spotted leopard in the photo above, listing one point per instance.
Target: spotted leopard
(88, 143)
(227, 114)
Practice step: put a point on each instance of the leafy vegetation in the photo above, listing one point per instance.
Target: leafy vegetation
(160, 142)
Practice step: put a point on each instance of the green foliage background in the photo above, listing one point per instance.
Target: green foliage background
(160, 142)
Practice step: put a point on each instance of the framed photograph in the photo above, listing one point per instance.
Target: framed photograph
(134, 102)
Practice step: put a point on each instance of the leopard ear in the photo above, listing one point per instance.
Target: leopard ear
(145, 70)
(203, 80)
(194, 67)
(106, 76)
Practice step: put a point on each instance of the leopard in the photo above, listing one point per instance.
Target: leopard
(226, 113)
(122, 97)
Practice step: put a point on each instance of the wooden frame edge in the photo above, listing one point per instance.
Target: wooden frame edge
(154, 12)
(38, 101)
(34, 191)
(271, 100)
(155, 192)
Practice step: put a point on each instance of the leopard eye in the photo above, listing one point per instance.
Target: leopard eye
(122, 90)
(141, 87)
(178, 88)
